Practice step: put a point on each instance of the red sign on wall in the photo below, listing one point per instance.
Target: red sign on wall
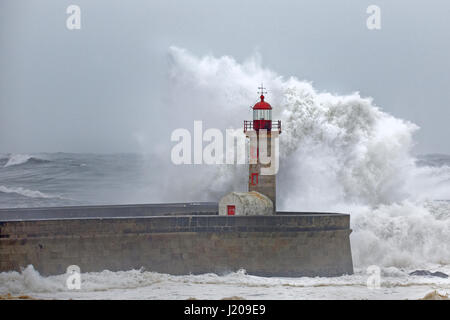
(254, 179)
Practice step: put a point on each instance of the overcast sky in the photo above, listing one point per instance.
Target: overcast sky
(89, 90)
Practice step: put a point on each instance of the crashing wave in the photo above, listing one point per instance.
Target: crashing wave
(18, 159)
(27, 193)
(338, 153)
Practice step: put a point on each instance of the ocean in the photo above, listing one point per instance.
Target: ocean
(400, 237)
(62, 179)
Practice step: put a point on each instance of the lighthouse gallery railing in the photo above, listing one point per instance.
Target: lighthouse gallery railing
(276, 125)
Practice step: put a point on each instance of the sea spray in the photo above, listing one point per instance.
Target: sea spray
(338, 153)
(27, 193)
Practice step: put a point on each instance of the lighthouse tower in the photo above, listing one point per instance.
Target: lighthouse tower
(262, 132)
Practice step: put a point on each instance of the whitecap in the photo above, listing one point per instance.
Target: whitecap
(27, 192)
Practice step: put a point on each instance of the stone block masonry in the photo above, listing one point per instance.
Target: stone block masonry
(281, 245)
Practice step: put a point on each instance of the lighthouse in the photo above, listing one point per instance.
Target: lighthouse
(262, 132)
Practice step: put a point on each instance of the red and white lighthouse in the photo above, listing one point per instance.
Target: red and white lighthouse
(262, 130)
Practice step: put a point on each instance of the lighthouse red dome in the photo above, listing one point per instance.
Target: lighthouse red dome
(262, 105)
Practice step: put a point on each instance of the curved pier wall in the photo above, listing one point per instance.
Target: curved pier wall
(281, 245)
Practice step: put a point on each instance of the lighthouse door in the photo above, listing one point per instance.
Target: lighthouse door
(231, 210)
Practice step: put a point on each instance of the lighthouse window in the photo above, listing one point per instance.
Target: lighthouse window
(262, 114)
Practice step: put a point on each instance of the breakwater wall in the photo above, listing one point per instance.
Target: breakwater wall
(286, 244)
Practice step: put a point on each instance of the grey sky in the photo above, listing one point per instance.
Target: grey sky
(89, 90)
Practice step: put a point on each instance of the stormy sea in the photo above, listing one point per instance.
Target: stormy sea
(338, 153)
(401, 238)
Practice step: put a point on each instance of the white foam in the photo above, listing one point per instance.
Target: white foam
(138, 284)
(27, 192)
